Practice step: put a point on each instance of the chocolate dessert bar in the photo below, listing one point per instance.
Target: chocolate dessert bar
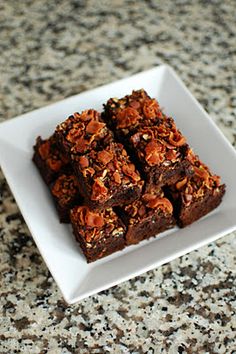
(98, 233)
(83, 132)
(151, 138)
(107, 177)
(197, 195)
(50, 161)
(66, 195)
(128, 114)
(147, 217)
(161, 154)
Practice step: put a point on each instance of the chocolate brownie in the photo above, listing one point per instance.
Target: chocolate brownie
(147, 217)
(66, 195)
(128, 114)
(161, 154)
(107, 177)
(83, 132)
(98, 233)
(50, 161)
(197, 195)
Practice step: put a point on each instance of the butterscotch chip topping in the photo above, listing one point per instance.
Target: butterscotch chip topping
(159, 144)
(49, 152)
(83, 132)
(65, 188)
(147, 205)
(96, 225)
(196, 185)
(133, 110)
(108, 169)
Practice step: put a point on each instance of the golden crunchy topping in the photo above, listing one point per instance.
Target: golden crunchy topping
(151, 109)
(94, 127)
(159, 144)
(117, 177)
(176, 139)
(82, 132)
(89, 218)
(44, 149)
(96, 226)
(83, 161)
(65, 188)
(196, 185)
(146, 205)
(99, 191)
(154, 153)
(129, 170)
(49, 152)
(105, 157)
(132, 110)
(127, 117)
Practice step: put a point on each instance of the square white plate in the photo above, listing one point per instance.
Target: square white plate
(74, 276)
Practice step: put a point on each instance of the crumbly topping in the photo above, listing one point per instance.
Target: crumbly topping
(147, 205)
(50, 153)
(133, 110)
(202, 180)
(65, 188)
(159, 144)
(107, 169)
(83, 132)
(94, 226)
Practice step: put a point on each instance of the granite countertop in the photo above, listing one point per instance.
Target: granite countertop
(54, 49)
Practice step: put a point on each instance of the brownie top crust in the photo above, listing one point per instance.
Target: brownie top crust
(108, 170)
(65, 188)
(50, 153)
(146, 206)
(83, 132)
(132, 111)
(162, 144)
(95, 226)
(199, 183)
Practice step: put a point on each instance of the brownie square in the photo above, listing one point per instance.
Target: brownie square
(127, 115)
(196, 195)
(83, 132)
(107, 177)
(50, 161)
(161, 154)
(65, 192)
(147, 217)
(98, 233)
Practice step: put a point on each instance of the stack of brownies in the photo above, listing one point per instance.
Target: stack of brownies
(124, 175)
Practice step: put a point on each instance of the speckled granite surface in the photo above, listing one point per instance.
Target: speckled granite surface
(53, 49)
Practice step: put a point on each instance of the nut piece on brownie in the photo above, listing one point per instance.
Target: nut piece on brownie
(147, 217)
(98, 233)
(196, 195)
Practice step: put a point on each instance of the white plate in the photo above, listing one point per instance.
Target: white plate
(74, 276)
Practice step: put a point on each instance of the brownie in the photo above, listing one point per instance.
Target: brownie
(65, 193)
(83, 132)
(161, 154)
(50, 161)
(98, 233)
(107, 177)
(128, 114)
(151, 138)
(197, 195)
(147, 217)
